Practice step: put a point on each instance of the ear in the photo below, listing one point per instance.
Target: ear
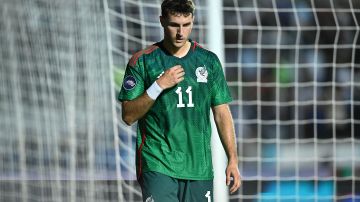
(162, 21)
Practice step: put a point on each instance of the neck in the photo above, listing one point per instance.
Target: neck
(175, 51)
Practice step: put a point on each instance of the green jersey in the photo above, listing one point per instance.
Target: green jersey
(173, 137)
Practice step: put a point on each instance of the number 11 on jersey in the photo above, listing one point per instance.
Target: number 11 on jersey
(180, 96)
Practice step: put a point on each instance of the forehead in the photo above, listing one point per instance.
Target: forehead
(179, 18)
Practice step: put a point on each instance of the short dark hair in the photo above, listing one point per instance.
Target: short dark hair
(184, 7)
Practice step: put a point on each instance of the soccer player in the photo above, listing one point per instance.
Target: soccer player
(170, 88)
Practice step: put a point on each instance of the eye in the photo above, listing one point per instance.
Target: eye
(173, 25)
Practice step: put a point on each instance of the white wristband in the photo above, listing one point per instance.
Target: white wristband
(154, 91)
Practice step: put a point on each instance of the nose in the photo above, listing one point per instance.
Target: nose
(180, 30)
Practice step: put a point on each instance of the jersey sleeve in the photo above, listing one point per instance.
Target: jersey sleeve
(220, 93)
(133, 82)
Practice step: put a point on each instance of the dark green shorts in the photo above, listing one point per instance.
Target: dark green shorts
(157, 187)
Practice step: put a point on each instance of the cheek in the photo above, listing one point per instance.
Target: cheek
(170, 32)
(188, 31)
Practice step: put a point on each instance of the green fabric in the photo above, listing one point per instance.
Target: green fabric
(158, 187)
(174, 139)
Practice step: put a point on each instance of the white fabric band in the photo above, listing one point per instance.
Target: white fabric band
(154, 91)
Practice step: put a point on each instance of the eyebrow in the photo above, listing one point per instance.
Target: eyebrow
(177, 24)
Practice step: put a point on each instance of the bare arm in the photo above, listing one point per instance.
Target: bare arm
(134, 110)
(225, 126)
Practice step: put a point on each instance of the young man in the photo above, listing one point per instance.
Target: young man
(169, 88)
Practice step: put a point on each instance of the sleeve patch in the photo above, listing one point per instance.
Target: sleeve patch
(129, 83)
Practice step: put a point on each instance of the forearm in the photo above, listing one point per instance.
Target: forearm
(225, 126)
(134, 110)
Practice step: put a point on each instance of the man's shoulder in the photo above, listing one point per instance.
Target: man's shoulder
(203, 51)
(135, 57)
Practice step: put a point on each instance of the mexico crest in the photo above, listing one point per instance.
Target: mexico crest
(201, 74)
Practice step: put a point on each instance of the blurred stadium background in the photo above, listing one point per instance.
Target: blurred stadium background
(292, 66)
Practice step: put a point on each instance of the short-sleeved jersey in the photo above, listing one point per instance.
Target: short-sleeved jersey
(173, 137)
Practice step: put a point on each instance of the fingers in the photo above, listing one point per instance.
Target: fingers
(176, 67)
(180, 75)
(228, 178)
(179, 80)
(171, 77)
(234, 175)
(177, 70)
(177, 73)
(236, 185)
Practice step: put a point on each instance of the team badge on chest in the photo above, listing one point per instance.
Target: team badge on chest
(201, 74)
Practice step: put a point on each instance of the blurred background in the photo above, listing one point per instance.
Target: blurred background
(292, 67)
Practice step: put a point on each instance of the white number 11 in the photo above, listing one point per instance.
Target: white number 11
(189, 92)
